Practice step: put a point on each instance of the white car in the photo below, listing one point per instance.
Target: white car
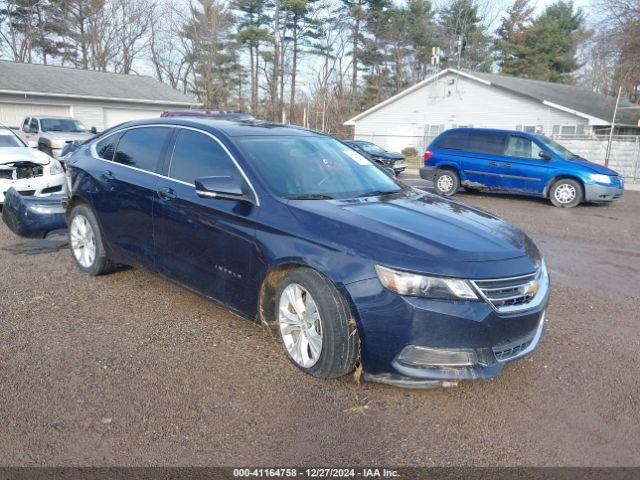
(30, 171)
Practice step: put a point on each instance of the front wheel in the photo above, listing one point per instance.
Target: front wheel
(86, 244)
(315, 324)
(566, 193)
(446, 182)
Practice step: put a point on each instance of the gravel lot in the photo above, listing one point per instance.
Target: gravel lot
(128, 369)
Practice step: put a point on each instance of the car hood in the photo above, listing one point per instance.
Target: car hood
(423, 233)
(23, 154)
(597, 168)
(68, 136)
(389, 156)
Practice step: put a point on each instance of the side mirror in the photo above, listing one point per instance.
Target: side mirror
(32, 144)
(94, 130)
(544, 155)
(221, 187)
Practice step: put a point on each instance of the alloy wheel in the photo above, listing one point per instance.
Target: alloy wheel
(565, 193)
(83, 241)
(300, 325)
(445, 183)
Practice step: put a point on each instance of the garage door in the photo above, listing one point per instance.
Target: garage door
(12, 114)
(115, 116)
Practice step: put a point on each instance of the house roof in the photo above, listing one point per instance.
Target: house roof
(64, 82)
(597, 108)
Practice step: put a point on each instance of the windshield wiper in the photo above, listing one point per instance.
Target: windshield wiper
(310, 196)
(375, 193)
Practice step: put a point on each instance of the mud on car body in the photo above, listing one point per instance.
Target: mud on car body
(293, 229)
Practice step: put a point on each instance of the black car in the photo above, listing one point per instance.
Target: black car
(379, 155)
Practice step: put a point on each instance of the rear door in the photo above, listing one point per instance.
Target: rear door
(127, 189)
(482, 158)
(527, 171)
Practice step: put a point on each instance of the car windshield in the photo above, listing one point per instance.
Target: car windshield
(9, 140)
(315, 168)
(62, 125)
(370, 147)
(557, 148)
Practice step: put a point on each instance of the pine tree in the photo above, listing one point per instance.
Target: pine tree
(213, 53)
(513, 52)
(461, 21)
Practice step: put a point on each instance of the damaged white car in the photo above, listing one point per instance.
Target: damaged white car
(30, 171)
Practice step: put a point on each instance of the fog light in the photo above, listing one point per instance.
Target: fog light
(415, 356)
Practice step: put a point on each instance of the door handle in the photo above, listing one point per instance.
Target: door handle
(493, 164)
(508, 165)
(166, 193)
(107, 175)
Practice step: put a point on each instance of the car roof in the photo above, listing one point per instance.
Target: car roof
(229, 128)
(487, 130)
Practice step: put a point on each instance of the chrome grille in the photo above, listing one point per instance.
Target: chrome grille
(515, 293)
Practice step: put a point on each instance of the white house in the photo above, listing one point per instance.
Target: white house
(454, 98)
(98, 99)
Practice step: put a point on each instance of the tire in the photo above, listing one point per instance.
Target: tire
(80, 241)
(566, 193)
(334, 325)
(446, 182)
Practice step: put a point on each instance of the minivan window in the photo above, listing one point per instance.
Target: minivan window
(558, 149)
(198, 155)
(33, 126)
(520, 147)
(142, 147)
(455, 140)
(107, 147)
(488, 143)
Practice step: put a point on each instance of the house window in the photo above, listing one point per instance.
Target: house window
(433, 130)
(529, 128)
(568, 129)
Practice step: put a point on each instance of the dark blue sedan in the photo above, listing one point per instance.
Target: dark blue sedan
(296, 230)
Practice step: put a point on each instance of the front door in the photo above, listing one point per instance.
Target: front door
(206, 243)
(127, 190)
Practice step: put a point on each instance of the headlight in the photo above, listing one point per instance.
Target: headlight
(600, 178)
(55, 168)
(415, 285)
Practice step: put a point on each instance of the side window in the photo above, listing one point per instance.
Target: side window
(453, 141)
(34, 125)
(486, 143)
(107, 147)
(198, 155)
(142, 147)
(25, 125)
(520, 147)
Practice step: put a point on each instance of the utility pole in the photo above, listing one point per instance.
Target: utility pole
(459, 44)
(613, 124)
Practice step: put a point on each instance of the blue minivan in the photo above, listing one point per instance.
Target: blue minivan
(516, 162)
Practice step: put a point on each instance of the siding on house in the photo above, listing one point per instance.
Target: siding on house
(91, 113)
(453, 100)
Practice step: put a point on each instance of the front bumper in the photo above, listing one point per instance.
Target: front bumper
(428, 173)
(456, 340)
(602, 193)
(35, 186)
(33, 217)
(399, 167)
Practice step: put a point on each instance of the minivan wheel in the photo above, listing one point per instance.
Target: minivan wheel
(316, 325)
(566, 193)
(86, 244)
(446, 182)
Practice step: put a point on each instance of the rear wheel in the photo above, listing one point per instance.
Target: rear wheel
(86, 244)
(446, 182)
(315, 325)
(566, 193)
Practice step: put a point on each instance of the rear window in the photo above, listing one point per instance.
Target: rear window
(488, 143)
(452, 141)
(142, 147)
(107, 147)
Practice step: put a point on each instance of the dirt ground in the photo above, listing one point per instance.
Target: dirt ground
(128, 369)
